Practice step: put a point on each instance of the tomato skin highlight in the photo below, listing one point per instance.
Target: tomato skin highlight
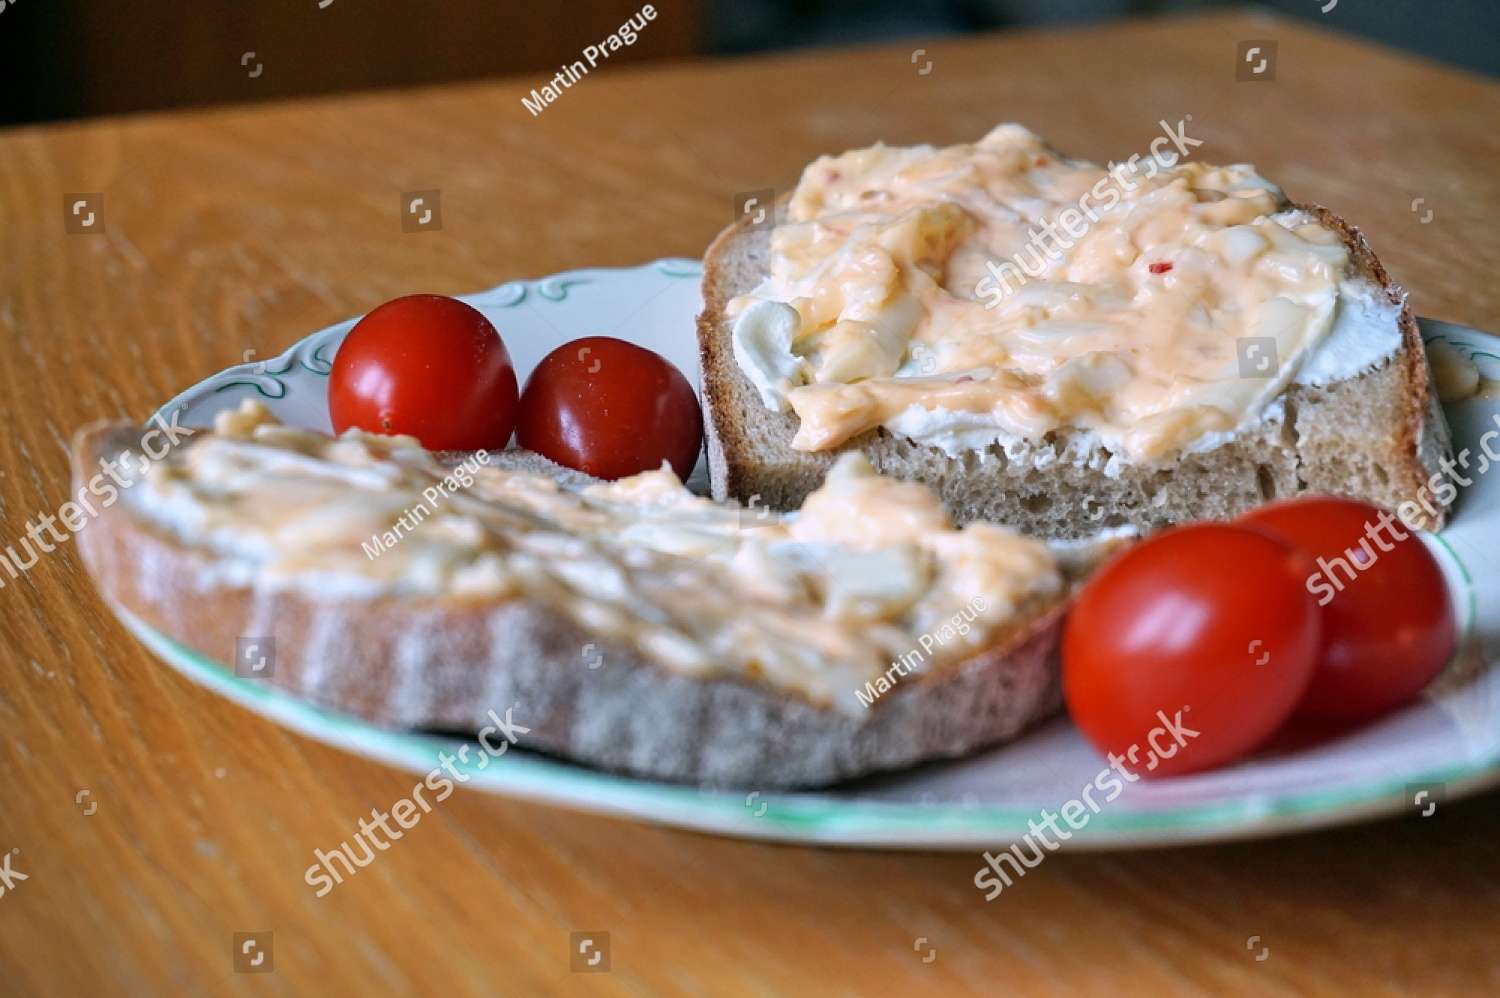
(610, 408)
(1209, 620)
(428, 366)
(1388, 625)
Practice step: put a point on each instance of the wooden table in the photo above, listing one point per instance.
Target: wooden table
(241, 230)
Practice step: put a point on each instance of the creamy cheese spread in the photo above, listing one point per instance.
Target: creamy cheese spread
(993, 292)
(822, 601)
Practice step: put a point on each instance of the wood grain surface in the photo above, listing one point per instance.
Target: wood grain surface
(239, 230)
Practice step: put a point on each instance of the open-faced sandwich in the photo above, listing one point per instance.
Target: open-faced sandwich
(637, 627)
(1061, 346)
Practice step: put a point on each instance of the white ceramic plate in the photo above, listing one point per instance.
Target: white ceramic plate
(1444, 746)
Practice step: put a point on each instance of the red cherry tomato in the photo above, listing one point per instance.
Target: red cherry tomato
(427, 366)
(1204, 629)
(1387, 615)
(611, 409)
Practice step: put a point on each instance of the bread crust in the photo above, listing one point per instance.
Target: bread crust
(443, 664)
(750, 454)
(1423, 437)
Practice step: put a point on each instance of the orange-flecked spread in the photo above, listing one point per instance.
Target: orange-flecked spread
(994, 290)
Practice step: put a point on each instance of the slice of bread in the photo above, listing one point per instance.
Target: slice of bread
(1378, 436)
(442, 663)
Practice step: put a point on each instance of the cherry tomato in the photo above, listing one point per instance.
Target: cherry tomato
(1190, 649)
(1387, 615)
(611, 409)
(427, 366)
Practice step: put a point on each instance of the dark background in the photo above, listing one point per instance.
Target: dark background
(62, 59)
